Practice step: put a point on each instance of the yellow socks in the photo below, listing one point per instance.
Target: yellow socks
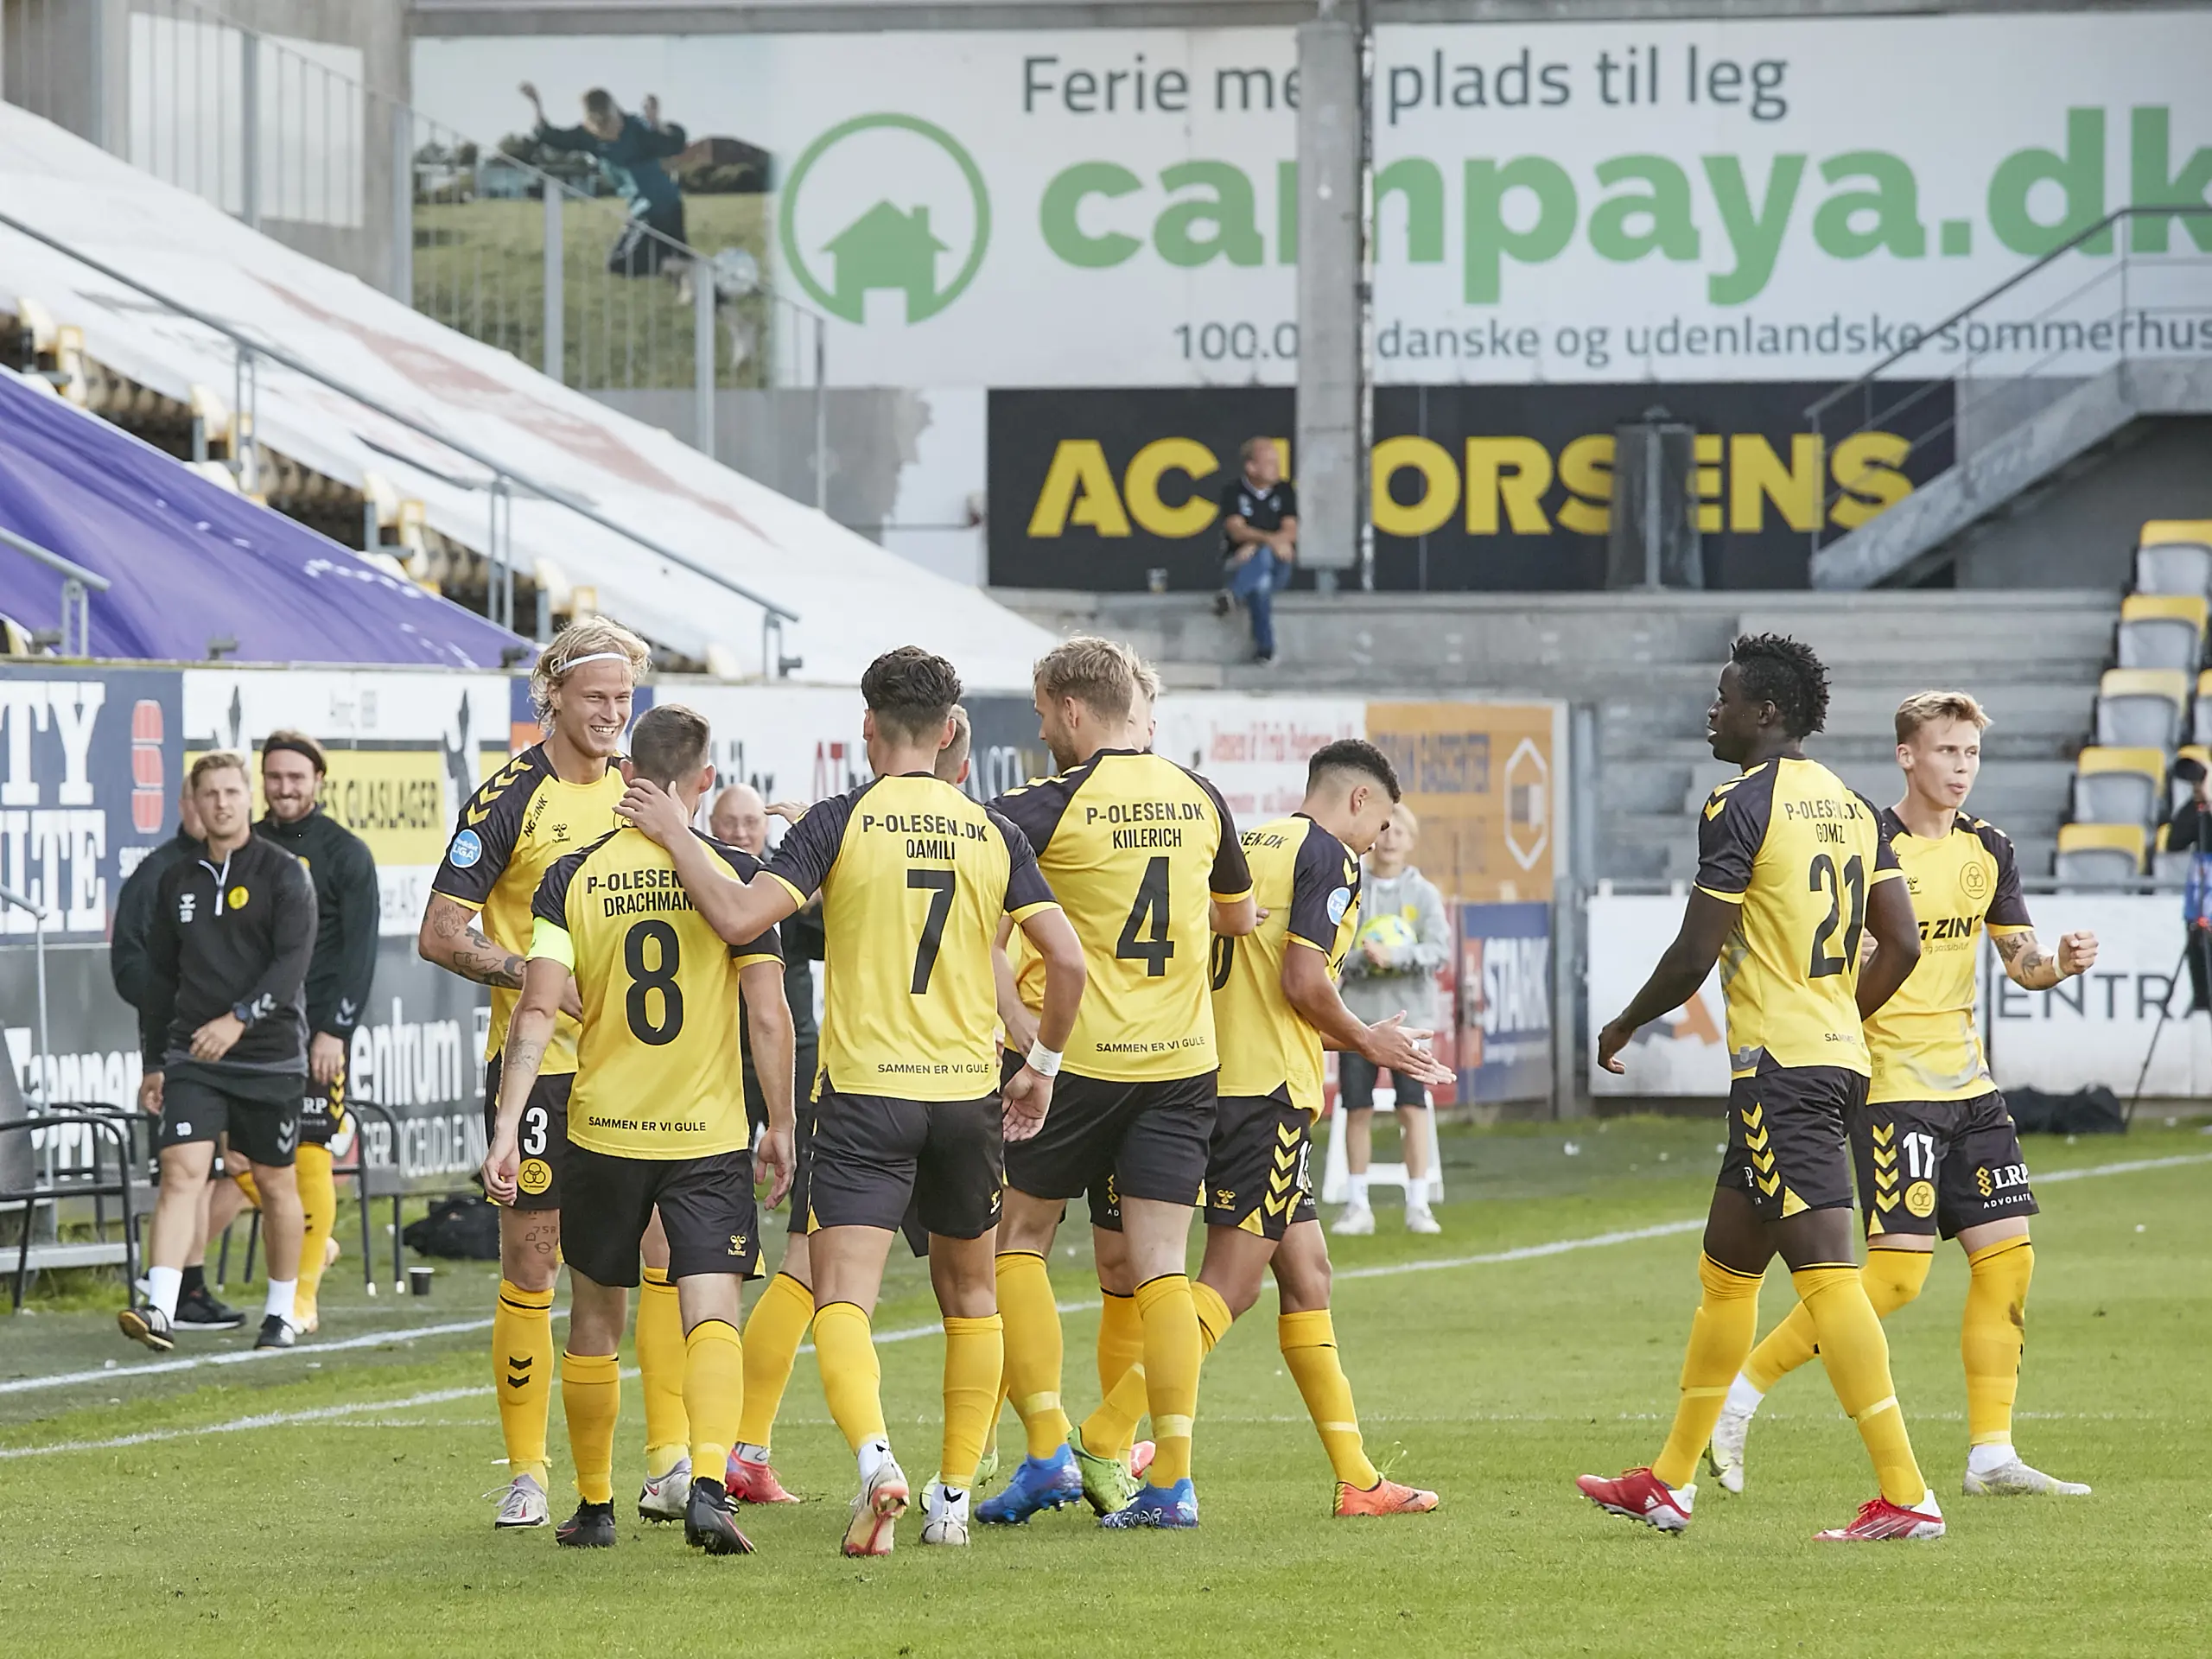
(1892, 1278)
(772, 1335)
(714, 1395)
(661, 1366)
(1309, 1348)
(591, 1398)
(1121, 1346)
(318, 1207)
(1857, 1356)
(1172, 1353)
(974, 1351)
(1114, 1422)
(522, 1376)
(1992, 1335)
(1032, 1348)
(1214, 1316)
(851, 1378)
(1720, 1336)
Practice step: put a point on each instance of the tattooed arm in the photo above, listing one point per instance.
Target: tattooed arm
(545, 985)
(2028, 965)
(447, 940)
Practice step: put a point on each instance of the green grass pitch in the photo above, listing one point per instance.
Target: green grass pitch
(350, 1522)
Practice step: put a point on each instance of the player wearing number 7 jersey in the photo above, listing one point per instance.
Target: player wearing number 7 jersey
(1792, 867)
(1143, 855)
(914, 877)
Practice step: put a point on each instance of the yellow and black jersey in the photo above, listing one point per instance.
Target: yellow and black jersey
(520, 819)
(1134, 847)
(658, 1074)
(1925, 1041)
(1797, 850)
(914, 877)
(1308, 882)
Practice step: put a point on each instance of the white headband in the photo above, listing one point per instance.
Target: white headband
(595, 656)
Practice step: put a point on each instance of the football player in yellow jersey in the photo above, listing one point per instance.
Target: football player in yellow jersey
(552, 798)
(1792, 868)
(657, 1123)
(1277, 1003)
(914, 877)
(1936, 1148)
(1143, 856)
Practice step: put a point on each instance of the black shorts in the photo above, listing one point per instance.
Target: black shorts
(875, 1156)
(706, 1208)
(263, 1128)
(637, 252)
(1356, 1077)
(1929, 1166)
(322, 1113)
(543, 1136)
(1788, 1150)
(1257, 1179)
(1127, 1140)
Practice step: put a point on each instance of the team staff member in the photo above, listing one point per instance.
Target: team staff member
(555, 797)
(655, 1122)
(1259, 540)
(914, 877)
(1277, 1003)
(1792, 867)
(197, 1308)
(1936, 1148)
(1143, 855)
(227, 1023)
(344, 962)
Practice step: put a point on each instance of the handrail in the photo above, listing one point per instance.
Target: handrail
(53, 561)
(498, 469)
(1814, 412)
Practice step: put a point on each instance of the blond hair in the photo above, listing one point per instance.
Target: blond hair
(1925, 708)
(1146, 676)
(216, 760)
(590, 636)
(1098, 673)
(954, 755)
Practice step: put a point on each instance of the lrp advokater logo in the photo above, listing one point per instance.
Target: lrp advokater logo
(883, 203)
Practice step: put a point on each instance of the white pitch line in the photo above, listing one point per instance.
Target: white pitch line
(2122, 1169)
(264, 1420)
(248, 1356)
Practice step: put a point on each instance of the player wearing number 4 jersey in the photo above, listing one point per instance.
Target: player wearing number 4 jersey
(1792, 868)
(1936, 1148)
(657, 1123)
(914, 877)
(1144, 858)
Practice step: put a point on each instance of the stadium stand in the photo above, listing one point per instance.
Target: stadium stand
(2098, 854)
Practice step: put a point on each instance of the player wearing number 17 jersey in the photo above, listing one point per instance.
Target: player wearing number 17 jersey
(1792, 867)
(1143, 856)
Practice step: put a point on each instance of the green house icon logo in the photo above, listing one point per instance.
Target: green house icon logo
(891, 244)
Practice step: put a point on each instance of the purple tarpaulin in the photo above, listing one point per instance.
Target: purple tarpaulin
(191, 563)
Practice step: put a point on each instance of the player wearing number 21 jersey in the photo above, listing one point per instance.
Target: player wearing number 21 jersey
(1792, 869)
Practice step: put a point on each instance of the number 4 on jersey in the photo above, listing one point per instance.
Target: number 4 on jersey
(1144, 936)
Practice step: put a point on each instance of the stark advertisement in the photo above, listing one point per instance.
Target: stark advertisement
(1784, 199)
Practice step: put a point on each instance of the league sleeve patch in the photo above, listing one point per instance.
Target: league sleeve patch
(466, 850)
(1340, 902)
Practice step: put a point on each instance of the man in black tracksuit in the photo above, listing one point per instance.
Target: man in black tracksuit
(226, 1021)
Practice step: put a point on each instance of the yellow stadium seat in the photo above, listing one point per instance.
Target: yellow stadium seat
(2091, 855)
(2141, 707)
(2166, 533)
(2161, 631)
(2118, 785)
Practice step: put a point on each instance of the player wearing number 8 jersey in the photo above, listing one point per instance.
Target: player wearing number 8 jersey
(1144, 857)
(914, 877)
(1936, 1148)
(1792, 868)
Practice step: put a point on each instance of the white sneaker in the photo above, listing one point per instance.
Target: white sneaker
(1724, 1455)
(522, 1503)
(882, 1501)
(2015, 1478)
(669, 1497)
(944, 1515)
(1354, 1221)
(1420, 1219)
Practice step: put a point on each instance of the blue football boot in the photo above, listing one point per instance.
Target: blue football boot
(1175, 1507)
(1051, 1483)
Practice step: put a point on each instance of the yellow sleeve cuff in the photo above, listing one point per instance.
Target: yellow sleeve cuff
(1733, 898)
(551, 942)
(1880, 876)
(2006, 930)
(1297, 938)
(1230, 898)
(472, 905)
(798, 898)
(1028, 911)
(757, 956)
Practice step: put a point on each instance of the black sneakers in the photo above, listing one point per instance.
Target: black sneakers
(198, 1310)
(276, 1332)
(147, 1324)
(708, 1523)
(592, 1527)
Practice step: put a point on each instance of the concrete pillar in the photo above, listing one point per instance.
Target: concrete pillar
(1329, 450)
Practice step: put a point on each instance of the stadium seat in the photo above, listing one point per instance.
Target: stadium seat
(2098, 854)
(2141, 707)
(2175, 557)
(2161, 631)
(2120, 787)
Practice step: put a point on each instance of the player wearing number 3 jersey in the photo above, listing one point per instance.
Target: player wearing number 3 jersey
(1792, 869)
